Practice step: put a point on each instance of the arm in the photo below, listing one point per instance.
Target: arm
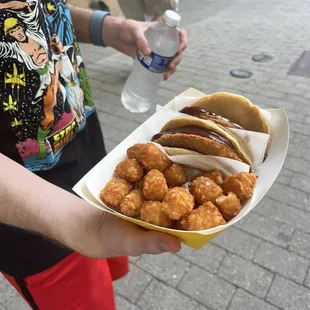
(15, 6)
(125, 36)
(29, 202)
(81, 19)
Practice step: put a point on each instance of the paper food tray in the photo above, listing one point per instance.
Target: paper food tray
(93, 182)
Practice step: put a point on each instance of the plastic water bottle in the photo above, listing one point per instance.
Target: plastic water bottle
(142, 85)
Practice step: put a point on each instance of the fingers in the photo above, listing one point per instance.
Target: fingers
(117, 237)
(183, 40)
(175, 61)
(169, 73)
(143, 46)
(141, 41)
(178, 57)
(172, 66)
(155, 243)
(150, 242)
(127, 49)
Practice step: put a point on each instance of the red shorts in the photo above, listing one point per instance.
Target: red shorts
(75, 283)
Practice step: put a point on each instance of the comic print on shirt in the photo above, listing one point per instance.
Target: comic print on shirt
(44, 90)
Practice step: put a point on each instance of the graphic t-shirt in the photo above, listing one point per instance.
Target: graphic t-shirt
(48, 121)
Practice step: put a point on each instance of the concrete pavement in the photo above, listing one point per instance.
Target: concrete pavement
(262, 263)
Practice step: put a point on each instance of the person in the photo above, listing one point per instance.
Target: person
(147, 10)
(57, 250)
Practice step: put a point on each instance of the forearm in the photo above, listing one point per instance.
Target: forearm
(29, 202)
(16, 6)
(5, 6)
(81, 17)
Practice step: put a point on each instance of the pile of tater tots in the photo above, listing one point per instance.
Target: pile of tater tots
(149, 187)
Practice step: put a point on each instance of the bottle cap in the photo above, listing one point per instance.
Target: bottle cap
(172, 18)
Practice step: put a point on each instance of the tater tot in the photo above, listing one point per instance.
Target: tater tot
(152, 213)
(203, 189)
(205, 217)
(216, 176)
(132, 203)
(139, 184)
(178, 203)
(133, 151)
(175, 175)
(114, 192)
(242, 184)
(129, 170)
(228, 205)
(150, 157)
(154, 186)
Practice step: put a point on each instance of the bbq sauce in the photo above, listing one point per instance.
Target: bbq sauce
(204, 114)
(195, 130)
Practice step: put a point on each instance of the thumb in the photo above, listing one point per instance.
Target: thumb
(142, 43)
(150, 242)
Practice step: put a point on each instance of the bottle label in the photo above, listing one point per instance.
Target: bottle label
(154, 62)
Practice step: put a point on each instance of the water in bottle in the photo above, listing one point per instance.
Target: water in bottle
(142, 85)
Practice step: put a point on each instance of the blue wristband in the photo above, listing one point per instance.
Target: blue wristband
(95, 27)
